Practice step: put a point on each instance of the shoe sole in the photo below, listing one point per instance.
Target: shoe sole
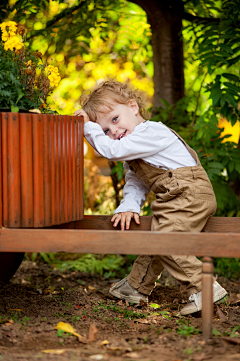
(219, 296)
(130, 299)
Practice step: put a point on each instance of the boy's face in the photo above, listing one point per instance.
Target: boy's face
(121, 121)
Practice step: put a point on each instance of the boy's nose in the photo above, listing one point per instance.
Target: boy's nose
(114, 131)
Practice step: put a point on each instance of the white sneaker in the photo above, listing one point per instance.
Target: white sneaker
(195, 300)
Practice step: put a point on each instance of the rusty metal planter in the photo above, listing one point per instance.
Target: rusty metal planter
(41, 173)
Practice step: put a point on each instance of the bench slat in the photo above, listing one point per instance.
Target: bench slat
(118, 242)
(214, 224)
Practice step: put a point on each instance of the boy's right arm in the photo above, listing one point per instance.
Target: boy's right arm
(134, 196)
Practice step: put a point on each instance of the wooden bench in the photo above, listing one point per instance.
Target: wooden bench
(41, 205)
(95, 234)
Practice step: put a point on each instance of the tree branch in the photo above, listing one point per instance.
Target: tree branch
(190, 17)
(58, 17)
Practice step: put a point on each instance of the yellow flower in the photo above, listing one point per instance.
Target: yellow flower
(52, 69)
(13, 43)
(54, 79)
(9, 29)
(53, 75)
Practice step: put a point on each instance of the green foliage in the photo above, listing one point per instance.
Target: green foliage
(24, 84)
(228, 332)
(227, 267)
(91, 263)
(185, 329)
(126, 312)
(12, 84)
(119, 170)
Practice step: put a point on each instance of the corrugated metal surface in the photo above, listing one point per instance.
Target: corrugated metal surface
(41, 173)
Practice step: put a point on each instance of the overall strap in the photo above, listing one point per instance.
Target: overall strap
(191, 151)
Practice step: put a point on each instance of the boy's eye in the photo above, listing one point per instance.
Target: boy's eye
(115, 119)
(106, 131)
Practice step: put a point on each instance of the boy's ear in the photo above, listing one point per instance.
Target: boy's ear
(134, 105)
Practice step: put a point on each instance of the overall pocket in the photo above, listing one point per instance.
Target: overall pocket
(204, 193)
(173, 189)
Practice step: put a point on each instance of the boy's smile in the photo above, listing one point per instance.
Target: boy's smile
(121, 120)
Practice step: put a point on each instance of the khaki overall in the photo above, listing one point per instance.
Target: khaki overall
(184, 201)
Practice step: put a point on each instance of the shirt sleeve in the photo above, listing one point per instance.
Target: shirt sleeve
(134, 194)
(141, 143)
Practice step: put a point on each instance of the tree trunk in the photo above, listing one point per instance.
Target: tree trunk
(165, 18)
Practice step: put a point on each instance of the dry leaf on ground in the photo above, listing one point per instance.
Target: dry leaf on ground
(104, 343)
(54, 352)
(221, 315)
(133, 355)
(66, 327)
(143, 320)
(96, 357)
(232, 340)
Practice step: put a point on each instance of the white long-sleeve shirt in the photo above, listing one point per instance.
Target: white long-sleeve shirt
(152, 142)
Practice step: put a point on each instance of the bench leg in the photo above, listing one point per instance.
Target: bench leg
(207, 297)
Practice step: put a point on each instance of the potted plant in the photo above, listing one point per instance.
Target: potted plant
(41, 155)
(25, 81)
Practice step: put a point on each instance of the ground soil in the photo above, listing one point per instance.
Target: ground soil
(39, 297)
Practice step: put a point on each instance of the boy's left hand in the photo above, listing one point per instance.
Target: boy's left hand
(125, 217)
(82, 113)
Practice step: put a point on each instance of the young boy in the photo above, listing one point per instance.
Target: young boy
(157, 159)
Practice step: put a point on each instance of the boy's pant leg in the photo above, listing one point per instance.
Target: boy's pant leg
(147, 269)
(187, 212)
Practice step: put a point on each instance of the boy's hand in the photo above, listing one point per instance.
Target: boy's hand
(82, 113)
(124, 217)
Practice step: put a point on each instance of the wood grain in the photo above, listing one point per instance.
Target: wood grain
(26, 166)
(4, 170)
(38, 194)
(1, 202)
(13, 161)
(214, 224)
(46, 172)
(119, 242)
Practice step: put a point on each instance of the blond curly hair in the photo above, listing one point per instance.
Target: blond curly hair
(102, 98)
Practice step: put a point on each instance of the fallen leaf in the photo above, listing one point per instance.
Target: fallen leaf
(92, 332)
(232, 340)
(91, 288)
(104, 343)
(66, 327)
(96, 357)
(154, 314)
(120, 303)
(142, 320)
(127, 303)
(132, 355)
(154, 305)
(221, 315)
(54, 352)
(15, 309)
(25, 282)
(35, 111)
